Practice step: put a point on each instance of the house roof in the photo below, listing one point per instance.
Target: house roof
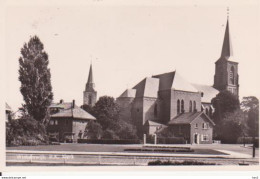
(209, 92)
(128, 93)
(153, 123)
(75, 112)
(187, 118)
(173, 80)
(148, 87)
(7, 107)
(63, 105)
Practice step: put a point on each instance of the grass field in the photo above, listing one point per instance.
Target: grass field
(198, 149)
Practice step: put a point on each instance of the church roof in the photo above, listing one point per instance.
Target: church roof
(128, 93)
(173, 80)
(90, 75)
(148, 87)
(69, 111)
(187, 118)
(209, 92)
(227, 50)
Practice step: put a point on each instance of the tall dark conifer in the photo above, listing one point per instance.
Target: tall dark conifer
(35, 78)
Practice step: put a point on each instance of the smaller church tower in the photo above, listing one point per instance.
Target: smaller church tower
(226, 69)
(90, 95)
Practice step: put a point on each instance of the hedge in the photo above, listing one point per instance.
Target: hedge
(185, 162)
(171, 140)
(109, 141)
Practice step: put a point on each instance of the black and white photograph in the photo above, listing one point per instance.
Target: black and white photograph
(131, 83)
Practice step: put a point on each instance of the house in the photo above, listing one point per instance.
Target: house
(68, 121)
(8, 112)
(170, 100)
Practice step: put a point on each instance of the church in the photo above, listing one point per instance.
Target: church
(169, 100)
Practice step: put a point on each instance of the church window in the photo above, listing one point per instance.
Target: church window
(89, 99)
(178, 107)
(194, 106)
(155, 110)
(232, 75)
(210, 112)
(182, 106)
(190, 106)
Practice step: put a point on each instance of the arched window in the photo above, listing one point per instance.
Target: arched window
(194, 106)
(207, 111)
(210, 112)
(190, 106)
(89, 99)
(232, 75)
(155, 110)
(182, 106)
(178, 107)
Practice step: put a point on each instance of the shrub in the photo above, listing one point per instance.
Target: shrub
(185, 162)
(25, 131)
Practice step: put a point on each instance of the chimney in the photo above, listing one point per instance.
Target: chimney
(61, 101)
(73, 103)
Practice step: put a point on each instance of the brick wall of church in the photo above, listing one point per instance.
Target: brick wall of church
(137, 115)
(186, 97)
(164, 106)
(125, 105)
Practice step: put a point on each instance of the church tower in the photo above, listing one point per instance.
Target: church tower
(90, 95)
(226, 69)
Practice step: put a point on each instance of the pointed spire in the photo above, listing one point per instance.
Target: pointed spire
(227, 50)
(90, 75)
(90, 84)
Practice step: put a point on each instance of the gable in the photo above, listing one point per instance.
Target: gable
(202, 118)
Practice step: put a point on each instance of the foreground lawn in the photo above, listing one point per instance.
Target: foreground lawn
(103, 148)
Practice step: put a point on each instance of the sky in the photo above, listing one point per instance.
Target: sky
(127, 42)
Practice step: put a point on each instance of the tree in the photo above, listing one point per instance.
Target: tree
(233, 126)
(35, 78)
(93, 130)
(250, 106)
(106, 111)
(226, 104)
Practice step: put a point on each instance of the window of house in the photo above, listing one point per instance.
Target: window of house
(180, 130)
(137, 110)
(182, 106)
(51, 122)
(205, 138)
(196, 126)
(205, 125)
(56, 122)
(178, 107)
(194, 106)
(190, 109)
